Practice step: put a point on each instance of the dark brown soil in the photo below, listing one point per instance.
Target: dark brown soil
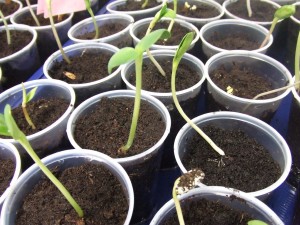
(204, 212)
(233, 41)
(177, 33)
(297, 13)
(28, 20)
(105, 30)
(247, 165)
(43, 113)
(245, 81)
(19, 39)
(107, 127)
(96, 190)
(87, 67)
(153, 81)
(8, 9)
(133, 5)
(262, 11)
(202, 10)
(7, 171)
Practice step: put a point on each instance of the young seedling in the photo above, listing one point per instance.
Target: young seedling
(33, 14)
(183, 47)
(128, 54)
(249, 10)
(173, 19)
(8, 127)
(280, 14)
(145, 4)
(89, 9)
(27, 98)
(49, 8)
(182, 185)
(256, 222)
(8, 36)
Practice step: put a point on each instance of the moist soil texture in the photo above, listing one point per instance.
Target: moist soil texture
(86, 67)
(152, 79)
(177, 33)
(28, 20)
(244, 80)
(262, 11)
(96, 190)
(233, 41)
(297, 13)
(246, 166)
(106, 128)
(134, 5)
(8, 9)
(105, 30)
(204, 212)
(19, 39)
(7, 171)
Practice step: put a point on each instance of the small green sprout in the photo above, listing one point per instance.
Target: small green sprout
(27, 98)
(173, 19)
(8, 127)
(89, 9)
(145, 4)
(256, 222)
(182, 185)
(183, 47)
(282, 13)
(128, 54)
(33, 14)
(8, 36)
(49, 7)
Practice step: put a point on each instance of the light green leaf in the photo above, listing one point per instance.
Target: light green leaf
(3, 127)
(12, 127)
(170, 14)
(124, 55)
(285, 12)
(165, 12)
(30, 94)
(256, 222)
(147, 41)
(183, 46)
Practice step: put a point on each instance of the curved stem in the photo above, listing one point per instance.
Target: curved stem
(248, 3)
(275, 20)
(94, 22)
(32, 13)
(297, 58)
(8, 36)
(177, 203)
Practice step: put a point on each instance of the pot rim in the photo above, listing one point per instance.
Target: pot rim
(9, 16)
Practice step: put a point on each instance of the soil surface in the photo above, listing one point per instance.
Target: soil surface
(107, 127)
(215, 213)
(262, 11)
(19, 39)
(28, 20)
(152, 79)
(177, 33)
(201, 11)
(134, 5)
(96, 190)
(105, 30)
(8, 9)
(7, 171)
(87, 67)
(247, 165)
(233, 41)
(244, 80)
(297, 13)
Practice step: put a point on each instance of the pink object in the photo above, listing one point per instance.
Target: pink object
(60, 7)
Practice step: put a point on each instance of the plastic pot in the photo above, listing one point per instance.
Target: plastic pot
(63, 160)
(241, 203)
(263, 133)
(120, 39)
(81, 15)
(45, 40)
(7, 18)
(273, 71)
(86, 90)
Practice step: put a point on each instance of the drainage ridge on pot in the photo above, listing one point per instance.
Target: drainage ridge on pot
(273, 71)
(64, 159)
(242, 203)
(228, 27)
(8, 17)
(119, 39)
(254, 128)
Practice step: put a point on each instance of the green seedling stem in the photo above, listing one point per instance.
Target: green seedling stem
(8, 127)
(8, 36)
(128, 54)
(177, 203)
(256, 222)
(173, 19)
(297, 66)
(32, 13)
(27, 98)
(89, 9)
(49, 7)
(280, 14)
(249, 10)
(145, 4)
(183, 47)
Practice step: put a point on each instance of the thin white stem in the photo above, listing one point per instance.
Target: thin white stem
(274, 22)
(297, 66)
(248, 3)
(8, 36)
(177, 203)
(32, 13)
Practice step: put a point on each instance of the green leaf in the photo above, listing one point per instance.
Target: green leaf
(170, 14)
(12, 127)
(256, 222)
(183, 46)
(285, 12)
(3, 127)
(30, 94)
(164, 12)
(124, 55)
(147, 41)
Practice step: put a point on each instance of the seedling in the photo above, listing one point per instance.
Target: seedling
(27, 98)
(8, 36)
(183, 47)
(128, 54)
(249, 10)
(89, 9)
(182, 185)
(297, 66)
(8, 127)
(145, 4)
(280, 14)
(32, 13)
(256, 222)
